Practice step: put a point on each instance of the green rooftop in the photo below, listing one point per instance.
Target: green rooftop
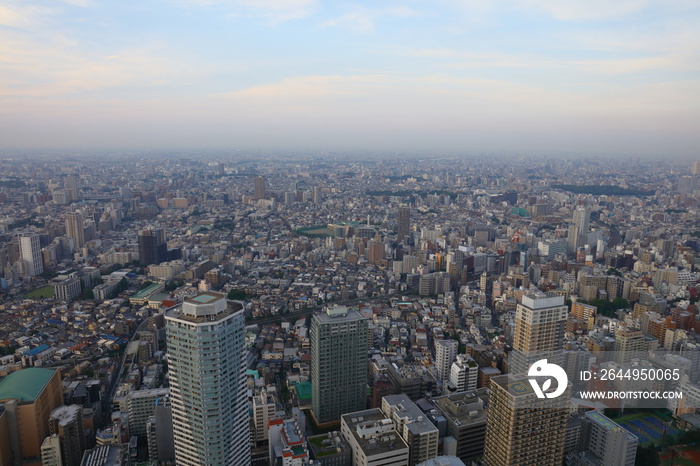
(25, 384)
(303, 390)
(147, 291)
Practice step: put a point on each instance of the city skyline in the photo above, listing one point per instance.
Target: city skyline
(196, 310)
(536, 77)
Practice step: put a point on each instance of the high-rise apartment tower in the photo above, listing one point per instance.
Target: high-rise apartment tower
(206, 357)
(339, 347)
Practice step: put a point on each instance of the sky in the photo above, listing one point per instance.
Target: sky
(598, 77)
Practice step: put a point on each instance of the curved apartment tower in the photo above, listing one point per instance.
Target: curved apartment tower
(206, 359)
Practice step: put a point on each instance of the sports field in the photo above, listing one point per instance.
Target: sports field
(689, 456)
(647, 426)
(43, 292)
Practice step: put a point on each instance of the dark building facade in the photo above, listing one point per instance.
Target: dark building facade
(153, 249)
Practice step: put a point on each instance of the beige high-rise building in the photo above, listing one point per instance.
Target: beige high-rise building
(695, 168)
(75, 229)
(584, 312)
(28, 396)
(632, 343)
(260, 187)
(5, 444)
(522, 429)
(51, 451)
(264, 410)
(540, 322)
(70, 184)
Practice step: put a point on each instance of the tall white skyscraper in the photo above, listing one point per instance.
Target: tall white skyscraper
(206, 359)
(464, 373)
(603, 441)
(30, 251)
(445, 352)
(577, 231)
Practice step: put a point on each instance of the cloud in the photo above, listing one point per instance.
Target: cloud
(80, 3)
(574, 10)
(364, 19)
(409, 97)
(34, 70)
(22, 17)
(382, 111)
(274, 11)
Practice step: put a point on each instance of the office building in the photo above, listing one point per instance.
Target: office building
(445, 353)
(577, 231)
(585, 313)
(141, 406)
(604, 443)
(107, 455)
(549, 249)
(465, 413)
(540, 322)
(66, 422)
(404, 224)
(464, 373)
(153, 249)
(161, 442)
(523, 429)
(68, 289)
(264, 410)
(75, 229)
(206, 359)
(417, 431)
(330, 449)
(50, 452)
(30, 251)
(260, 188)
(373, 439)
(28, 397)
(412, 379)
(70, 184)
(375, 253)
(444, 460)
(338, 372)
(6, 452)
(287, 446)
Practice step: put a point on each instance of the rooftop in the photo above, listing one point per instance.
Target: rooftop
(605, 422)
(464, 408)
(25, 385)
(442, 461)
(404, 408)
(148, 291)
(328, 444)
(205, 307)
(542, 301)
(66, 414)
(373, 432)
(104, 455)
(349, 316)
(204, 298)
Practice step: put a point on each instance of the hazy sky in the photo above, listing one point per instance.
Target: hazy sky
(527, 76)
